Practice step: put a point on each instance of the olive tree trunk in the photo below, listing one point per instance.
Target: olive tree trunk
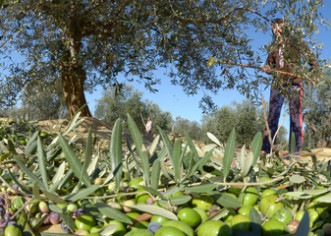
(73, 75)
(73, 89)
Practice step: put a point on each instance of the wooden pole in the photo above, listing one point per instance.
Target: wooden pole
(260, 68)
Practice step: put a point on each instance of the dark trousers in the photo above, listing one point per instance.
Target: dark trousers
(275, 107)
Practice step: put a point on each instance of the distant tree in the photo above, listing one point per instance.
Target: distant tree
(89, 43)
(45, 103)
(244, 117)
(116, 104)
(183, 126)
(282, 138)
(162, 119)
(317, 114)
(220, 123)
(112, 106)
(249, 121)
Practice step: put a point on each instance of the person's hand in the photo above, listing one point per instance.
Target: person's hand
(266, 69)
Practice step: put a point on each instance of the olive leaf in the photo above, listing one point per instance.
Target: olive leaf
(229, 153)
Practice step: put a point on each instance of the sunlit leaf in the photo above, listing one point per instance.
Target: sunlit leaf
(177, 158)
(87, 152)
(155, 210)
(297, 179)
(108, 229)
(229, 153)
(256, 147)
(292, 148)
(199, 163)
(58, 176)
(31, 144)
(73, 161)
(143, 154)
(167, 144)
(213, 138)
(115, 153)
(247, 163)
(112, 213)
(326, 198)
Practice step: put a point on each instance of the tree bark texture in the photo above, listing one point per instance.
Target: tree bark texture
(73, 78)
(72, 72)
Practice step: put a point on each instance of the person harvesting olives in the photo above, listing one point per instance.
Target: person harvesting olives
(286, 54)
(148, 125)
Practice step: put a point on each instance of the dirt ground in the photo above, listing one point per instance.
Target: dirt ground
(100, 130)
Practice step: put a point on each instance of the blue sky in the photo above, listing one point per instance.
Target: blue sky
(173, 99)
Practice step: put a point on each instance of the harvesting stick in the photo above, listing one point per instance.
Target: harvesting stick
(142, 119)
(211, 60)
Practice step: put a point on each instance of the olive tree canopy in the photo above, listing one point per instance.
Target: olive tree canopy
(81, 44)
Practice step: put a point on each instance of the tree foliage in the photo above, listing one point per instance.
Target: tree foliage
(244, 117)
(89, 43)
(113, 105)
(47, 103)
(317, 114)
(183, 126)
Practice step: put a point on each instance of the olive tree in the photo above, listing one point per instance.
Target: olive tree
(182, 126)
(317, 114)
(245, 117)
(116, 104)
(87, 43)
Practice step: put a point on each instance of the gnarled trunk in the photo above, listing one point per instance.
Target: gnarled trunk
(73, 77)
(73, 74)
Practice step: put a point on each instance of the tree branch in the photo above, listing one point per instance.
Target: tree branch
(106, 24)
(93, 7)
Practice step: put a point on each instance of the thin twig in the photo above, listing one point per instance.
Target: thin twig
(251, 184)
(266, 121)
(281, 123)
(191, 185)
(271, 141)
(22, 208)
